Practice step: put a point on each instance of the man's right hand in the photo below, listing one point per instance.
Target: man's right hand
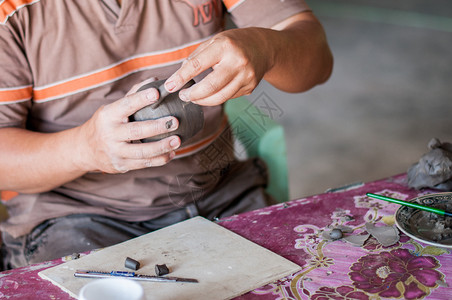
(107, 137)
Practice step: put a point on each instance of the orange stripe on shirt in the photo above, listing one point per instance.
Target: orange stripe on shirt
(9, 7)
(7, 195)
(16, 94)
(231, 3)
(202, 143)
(106, 75)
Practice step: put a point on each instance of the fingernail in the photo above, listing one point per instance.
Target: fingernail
(170, 85)
(174, 143)
(184, 95)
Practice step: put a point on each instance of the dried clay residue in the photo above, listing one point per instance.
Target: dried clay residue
(433, 226)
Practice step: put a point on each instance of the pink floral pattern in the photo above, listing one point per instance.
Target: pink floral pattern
(342, 292)
(373, 245)
(368, 202)
(396, 274)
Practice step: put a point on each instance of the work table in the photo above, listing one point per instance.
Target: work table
(330, 269)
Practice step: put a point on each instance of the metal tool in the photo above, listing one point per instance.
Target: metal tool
(131, 275)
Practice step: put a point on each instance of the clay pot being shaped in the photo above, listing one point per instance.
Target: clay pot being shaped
(189, 115)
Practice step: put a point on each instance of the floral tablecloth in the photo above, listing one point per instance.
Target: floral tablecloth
(330, 269)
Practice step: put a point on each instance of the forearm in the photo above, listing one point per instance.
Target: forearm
(300, 54)
(34, 162)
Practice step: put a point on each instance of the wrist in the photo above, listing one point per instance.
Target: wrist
(81, 157)
(268, 43)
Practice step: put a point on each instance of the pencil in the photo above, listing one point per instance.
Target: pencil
(411, 204)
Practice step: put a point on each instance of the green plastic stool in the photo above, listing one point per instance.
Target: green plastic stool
(261, 137)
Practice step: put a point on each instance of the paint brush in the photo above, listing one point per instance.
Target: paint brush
(412, 204)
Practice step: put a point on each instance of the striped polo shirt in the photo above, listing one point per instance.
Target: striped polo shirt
(60, 60)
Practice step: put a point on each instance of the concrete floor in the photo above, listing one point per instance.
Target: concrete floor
(388, 96)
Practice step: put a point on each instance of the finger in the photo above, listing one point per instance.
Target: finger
(133, 153)
(232, 90)
(137, 86)
(239, 94)
(210, 85)
(193, 66)
(138, 130)
(245, 90)
(201, 48)
(155, 161)
(125, 107)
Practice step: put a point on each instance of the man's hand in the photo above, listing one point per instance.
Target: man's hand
(293, 56)
(104, 143)
(109, 136)
(237, 67)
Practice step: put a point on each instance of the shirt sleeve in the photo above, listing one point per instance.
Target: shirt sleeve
(263, 13)
(15, 79)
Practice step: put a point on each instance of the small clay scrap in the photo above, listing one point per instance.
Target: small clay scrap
(434, 227)
(385, 235)
(336, 233)
(344, 229)
(161, 270)
(357, 240)
(75, 256)
(130, 263)
(347, 218)
(434, 169)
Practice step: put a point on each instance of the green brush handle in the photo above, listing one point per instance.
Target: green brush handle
(411, 204)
